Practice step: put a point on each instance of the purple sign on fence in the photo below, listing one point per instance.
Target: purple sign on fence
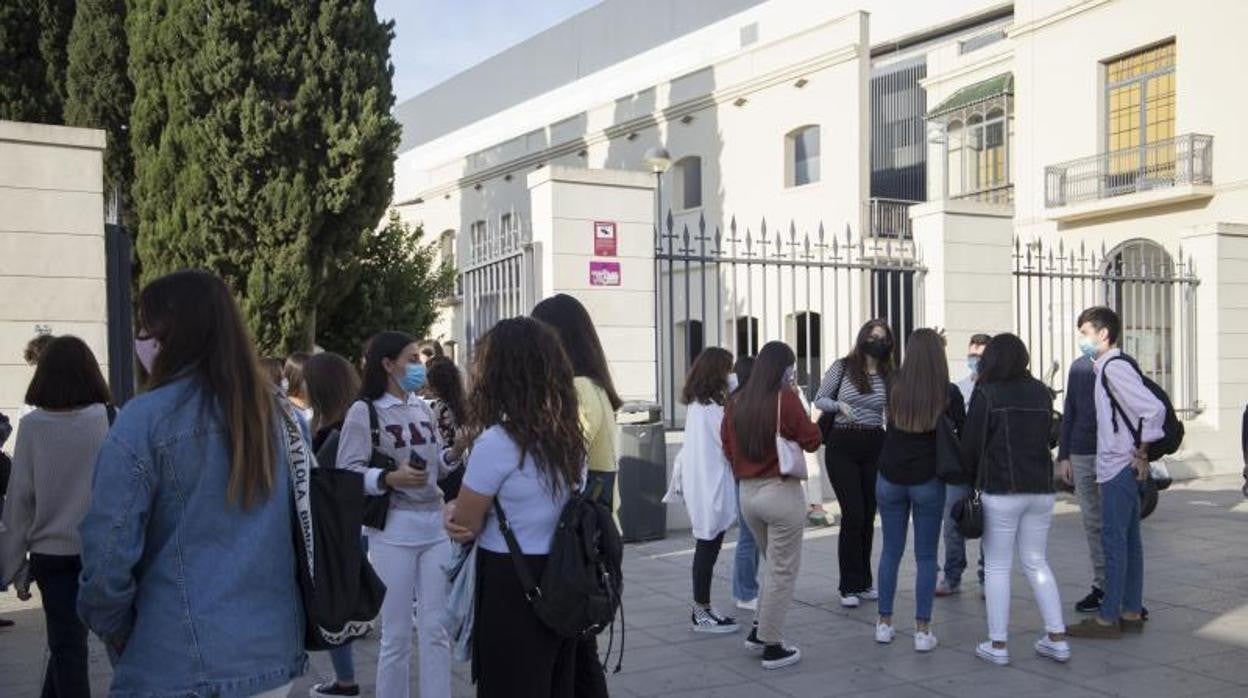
(604, 273)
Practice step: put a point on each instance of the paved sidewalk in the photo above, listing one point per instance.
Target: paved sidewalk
(1196, 588)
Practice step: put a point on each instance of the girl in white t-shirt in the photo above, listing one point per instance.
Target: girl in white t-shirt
(529, 454)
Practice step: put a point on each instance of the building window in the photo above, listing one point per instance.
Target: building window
(802, 156)
(477, 240)
(977, 42)
(687, 178)
(1139, 115)
(1145, 305)
(804, 332)
(745, 329)
(446, 254)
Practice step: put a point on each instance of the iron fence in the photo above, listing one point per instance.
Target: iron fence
(1186, 159)
(1153, 293)
(497, 278)
(738, 287)
(888, 218)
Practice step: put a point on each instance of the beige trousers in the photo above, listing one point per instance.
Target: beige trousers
(775, 510)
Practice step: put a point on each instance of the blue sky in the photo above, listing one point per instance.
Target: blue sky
(435, 39)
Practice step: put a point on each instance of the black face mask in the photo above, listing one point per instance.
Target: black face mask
(878, 349)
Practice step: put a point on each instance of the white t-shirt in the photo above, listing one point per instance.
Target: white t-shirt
(494, 470)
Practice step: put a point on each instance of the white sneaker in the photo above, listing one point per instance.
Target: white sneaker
(988, 653)
(884, 633)
(925, 641)
(869, 595)
(751, 605)
(850, 601)
(1058, 651)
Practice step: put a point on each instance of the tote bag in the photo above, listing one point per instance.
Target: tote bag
(792, 457)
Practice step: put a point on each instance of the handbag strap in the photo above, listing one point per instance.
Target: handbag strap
(374, 423)
(532, 592)
(300, 460)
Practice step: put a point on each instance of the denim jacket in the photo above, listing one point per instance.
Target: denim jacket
(200, 592)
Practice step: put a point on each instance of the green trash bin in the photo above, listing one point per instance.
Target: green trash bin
(643, 472)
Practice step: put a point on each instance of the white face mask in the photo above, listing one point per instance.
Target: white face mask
(733, 383)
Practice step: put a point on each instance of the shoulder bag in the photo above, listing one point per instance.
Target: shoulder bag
(968, 512)
(792, 457)
(377, 507)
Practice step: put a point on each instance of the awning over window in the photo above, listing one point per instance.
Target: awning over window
(995, 86)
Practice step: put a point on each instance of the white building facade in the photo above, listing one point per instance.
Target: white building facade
(977, 166)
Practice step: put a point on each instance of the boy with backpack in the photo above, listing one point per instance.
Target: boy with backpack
(1131, 426)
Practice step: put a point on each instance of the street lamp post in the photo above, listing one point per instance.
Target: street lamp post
(659, 161)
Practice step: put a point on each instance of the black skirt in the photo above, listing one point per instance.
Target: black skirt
(514, 655)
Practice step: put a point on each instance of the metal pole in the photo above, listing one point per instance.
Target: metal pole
(658, 274)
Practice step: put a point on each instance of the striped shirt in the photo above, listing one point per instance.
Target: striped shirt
(837, 389)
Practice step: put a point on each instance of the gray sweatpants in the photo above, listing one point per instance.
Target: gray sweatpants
(1089, 493)
(775, 510)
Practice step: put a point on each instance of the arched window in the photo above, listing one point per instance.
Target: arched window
(804, 332)
(953, 167)
(745, 329)
(446, 246)
(687, 181)
(801, 156)
(1137, 287)
(974, 152)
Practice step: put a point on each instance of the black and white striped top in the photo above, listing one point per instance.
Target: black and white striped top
(868, 409)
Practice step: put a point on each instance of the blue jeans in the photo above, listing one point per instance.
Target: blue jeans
(955, 544)
(344, 664)
(896, 502)
(1124, 551)
(745, 564)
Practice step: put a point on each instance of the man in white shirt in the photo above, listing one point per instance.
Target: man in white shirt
(1128, 418)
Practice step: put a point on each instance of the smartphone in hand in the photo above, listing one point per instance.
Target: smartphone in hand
(416, 462)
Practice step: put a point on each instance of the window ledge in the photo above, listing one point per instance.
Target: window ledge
(1152, 198)
(801, 187)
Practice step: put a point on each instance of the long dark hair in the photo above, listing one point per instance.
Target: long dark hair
(754, 405)
(743, 368)
(919, 392)
(383, 345)
(1005, 358)
(447, 385)
(575, 329)
(856, 359)
(522, 381)
(200, 331)
(292, 371)
(67, 377)
(331, 385)
(707, 380)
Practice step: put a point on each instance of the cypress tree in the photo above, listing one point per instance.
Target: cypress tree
(264, 148)
(24, 91)
(56, 18)
(98, 93)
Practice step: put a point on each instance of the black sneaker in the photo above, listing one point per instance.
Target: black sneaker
(708, 620)
(1092, 602)
(333, 688)
(752, 643)
(778, 656)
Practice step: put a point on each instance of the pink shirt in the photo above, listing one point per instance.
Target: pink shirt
(1114, 451)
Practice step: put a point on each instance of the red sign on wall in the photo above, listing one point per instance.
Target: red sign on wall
(604, 239)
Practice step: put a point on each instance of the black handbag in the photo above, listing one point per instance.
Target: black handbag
(968, 512)
(377, 507)
(948, 453)
(341, 593)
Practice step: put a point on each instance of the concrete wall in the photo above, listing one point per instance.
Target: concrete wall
(52, 261)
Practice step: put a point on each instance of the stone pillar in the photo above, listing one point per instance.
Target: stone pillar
(966, 247)
(52, 255)
(1219, 254)
(568, 204)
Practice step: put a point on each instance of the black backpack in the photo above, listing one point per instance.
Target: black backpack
(579, 592)
(1173, 428)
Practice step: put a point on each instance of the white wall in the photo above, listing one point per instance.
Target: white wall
(52, 262)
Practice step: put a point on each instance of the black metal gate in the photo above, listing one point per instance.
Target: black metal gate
(119, 251)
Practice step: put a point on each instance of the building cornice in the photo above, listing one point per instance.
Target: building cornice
(669, 114)
(1025, 28)
(1005, 57)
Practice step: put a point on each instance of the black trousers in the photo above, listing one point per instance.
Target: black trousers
(705, 553)
(514, 654)
(852, 456)
(57, 579)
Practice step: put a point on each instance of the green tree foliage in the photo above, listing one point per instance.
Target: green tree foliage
(401, 287)
(33, 36)
(98, 92)
(263, 149)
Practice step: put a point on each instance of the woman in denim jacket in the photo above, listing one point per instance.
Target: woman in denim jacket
(188, 559)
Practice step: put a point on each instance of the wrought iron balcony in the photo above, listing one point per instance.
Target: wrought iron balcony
(888, 218)
(1178, 161)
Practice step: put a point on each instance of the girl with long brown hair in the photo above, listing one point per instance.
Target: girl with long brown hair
(528, 453)
(706, 483)
(191, 514)
(852, 398)
(920, 396)
(768, 408)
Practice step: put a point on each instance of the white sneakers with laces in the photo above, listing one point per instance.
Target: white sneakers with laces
(884, 634)
(995, 655)
(925, 641)
(1057, 650)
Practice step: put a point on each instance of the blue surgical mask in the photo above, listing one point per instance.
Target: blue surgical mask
(972, 365)
(413, 378)
(1087, 347)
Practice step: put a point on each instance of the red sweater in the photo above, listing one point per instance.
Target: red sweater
(795, 425)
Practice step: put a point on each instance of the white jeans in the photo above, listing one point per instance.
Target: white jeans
(405, 569)
(1022, 520)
